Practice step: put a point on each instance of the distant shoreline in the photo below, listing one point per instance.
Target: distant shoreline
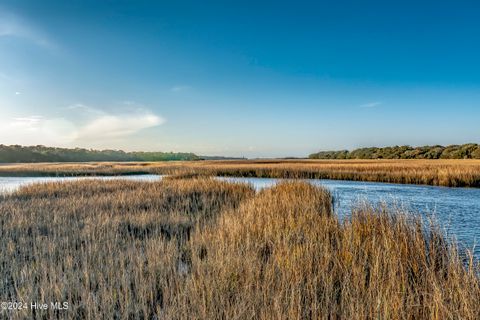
(465, 151)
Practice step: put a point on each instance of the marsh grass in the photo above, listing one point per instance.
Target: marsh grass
(205, 249)
(281, 256)
(452, 173)
(112, 249)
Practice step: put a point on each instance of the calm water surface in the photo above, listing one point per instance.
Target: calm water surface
(456, 209)
(8, 184)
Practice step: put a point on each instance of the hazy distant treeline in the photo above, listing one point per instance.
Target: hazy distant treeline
(466, 151)
(16, 153)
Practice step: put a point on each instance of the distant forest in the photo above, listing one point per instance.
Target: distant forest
(466, 151)
(16, 153)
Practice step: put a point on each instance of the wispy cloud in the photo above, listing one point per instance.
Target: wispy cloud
(74, 128)
(12, 25)
(29, 122)
(371, 104)
(84, 109)
(118, 126)
(33, 130)
(179, 88)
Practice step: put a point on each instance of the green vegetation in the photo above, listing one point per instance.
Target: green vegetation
(206, 249)
(21, 154)
(466, 151)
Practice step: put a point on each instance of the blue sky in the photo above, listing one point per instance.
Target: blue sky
(255, 79)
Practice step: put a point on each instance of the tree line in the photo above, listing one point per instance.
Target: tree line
(17, 153)
(465, 151)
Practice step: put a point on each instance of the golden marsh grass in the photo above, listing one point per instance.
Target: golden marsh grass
(205, 249)
(453, 173)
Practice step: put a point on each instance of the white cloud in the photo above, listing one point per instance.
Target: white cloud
(371, 104)
(12, 25)
(84, 109)
(77, 106)
(118, 126)
(35, 130)
(71, 130)
(17, 93)
(31, 121)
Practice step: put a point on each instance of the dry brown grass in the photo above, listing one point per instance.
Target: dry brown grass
(205, 249)
(281, 256)
(453, 173)
(112, 249)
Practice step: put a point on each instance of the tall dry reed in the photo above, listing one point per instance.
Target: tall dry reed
(283, 255)
(205, 249)
(111, 249)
